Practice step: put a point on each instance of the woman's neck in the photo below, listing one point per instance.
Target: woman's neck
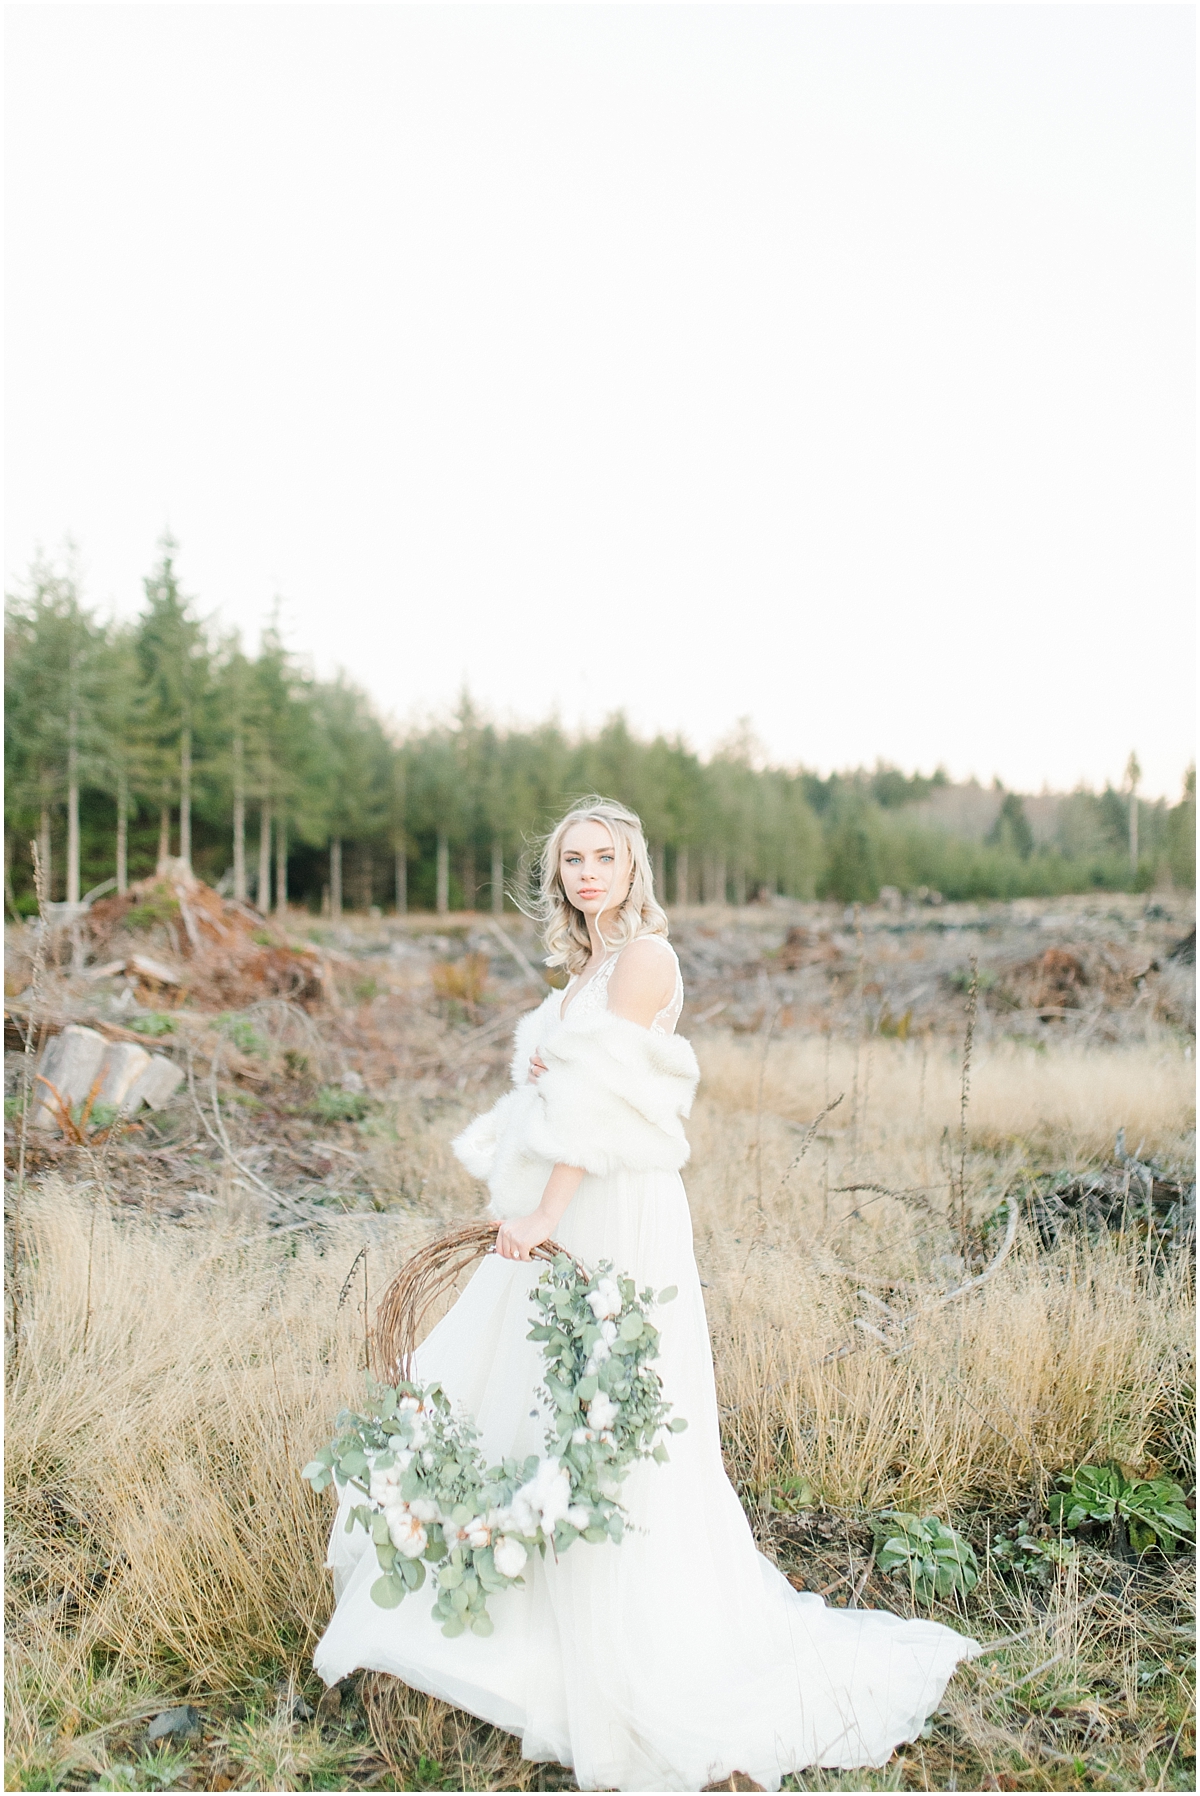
(600, 948)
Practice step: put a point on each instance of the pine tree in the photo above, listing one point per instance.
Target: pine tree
(173, 658)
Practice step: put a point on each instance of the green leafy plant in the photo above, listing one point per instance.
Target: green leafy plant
(242, 1033)
(788, 1496)
(1030, 1557)
(927, 1553)
(153, 1023)
(332, 1104)
(1153, 1511)
(159, 905)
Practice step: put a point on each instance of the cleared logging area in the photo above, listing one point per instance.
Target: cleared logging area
(183, 1343)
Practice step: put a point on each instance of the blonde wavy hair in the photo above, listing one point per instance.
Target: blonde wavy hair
(564, 929)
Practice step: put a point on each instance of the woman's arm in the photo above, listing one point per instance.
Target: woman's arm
(521, 1234)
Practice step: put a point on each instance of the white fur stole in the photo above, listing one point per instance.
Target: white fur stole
(612, 1099)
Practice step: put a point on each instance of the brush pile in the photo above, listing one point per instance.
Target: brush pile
(175, 939)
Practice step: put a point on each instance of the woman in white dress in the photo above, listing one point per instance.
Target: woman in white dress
(680, 1655)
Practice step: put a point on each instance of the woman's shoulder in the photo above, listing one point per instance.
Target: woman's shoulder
(643, 978)
(645, 957)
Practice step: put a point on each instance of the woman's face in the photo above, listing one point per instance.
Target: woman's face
(590, 868)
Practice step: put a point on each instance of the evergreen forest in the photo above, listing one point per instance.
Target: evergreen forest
(130, 742)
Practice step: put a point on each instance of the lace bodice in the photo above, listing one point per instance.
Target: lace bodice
(594, 995)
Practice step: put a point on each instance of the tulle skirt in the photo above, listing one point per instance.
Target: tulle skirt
(681, 1655)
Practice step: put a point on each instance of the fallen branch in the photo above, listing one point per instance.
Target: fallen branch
(222, 1140)
(901, 1323)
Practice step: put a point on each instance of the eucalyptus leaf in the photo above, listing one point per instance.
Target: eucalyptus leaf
(388, 1592)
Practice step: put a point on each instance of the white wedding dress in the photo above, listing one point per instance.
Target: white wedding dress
(681, 1655)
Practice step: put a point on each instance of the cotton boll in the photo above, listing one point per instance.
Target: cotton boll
(509, 1558)
(478, 1534)
(602, 1411)
(556, 1498)
(407, 1535)
(605, 1300)
(425, 1509)
(579, 1517)
(545, 1499)
(608, 1333)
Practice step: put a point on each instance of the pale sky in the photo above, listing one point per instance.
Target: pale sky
(829, 366)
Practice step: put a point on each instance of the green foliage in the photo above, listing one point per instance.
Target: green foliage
(242, 1033)
(927, 1554)
(1031, 1557)
(332, 1104)
(1153, 1510)
(155, 1022)
(1011, 829)
(852, 873)
(159, 905)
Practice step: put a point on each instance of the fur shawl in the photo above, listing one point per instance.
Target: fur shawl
(612, 1099)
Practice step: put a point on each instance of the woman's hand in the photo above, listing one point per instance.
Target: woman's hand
(537, 1067)
(521, 1234)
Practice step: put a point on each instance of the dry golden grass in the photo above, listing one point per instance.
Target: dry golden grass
(172, 1379)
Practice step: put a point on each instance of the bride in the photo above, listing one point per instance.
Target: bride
(681, 1655)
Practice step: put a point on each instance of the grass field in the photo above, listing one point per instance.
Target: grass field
(173, 1376)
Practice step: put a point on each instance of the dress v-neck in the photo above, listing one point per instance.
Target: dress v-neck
(563, 1006)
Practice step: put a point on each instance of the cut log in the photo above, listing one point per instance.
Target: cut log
(107, 971)
(70, 1062)
(156, 1086)
(124, 1064)
(153, 969)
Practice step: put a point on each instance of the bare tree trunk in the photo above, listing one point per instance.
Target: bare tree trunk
(73, 809)
(681, 876)
(262, 896)
(1133, 831)
(401, 882)
(185, 796)
(497, 877)
(281, 866)
(468, 879)
(44, 848)
(239, 821)
(739, 884)
(164, 833)
(443, 873)
(335, 878)
(658, 862)
(122, 832)
(720, 879)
